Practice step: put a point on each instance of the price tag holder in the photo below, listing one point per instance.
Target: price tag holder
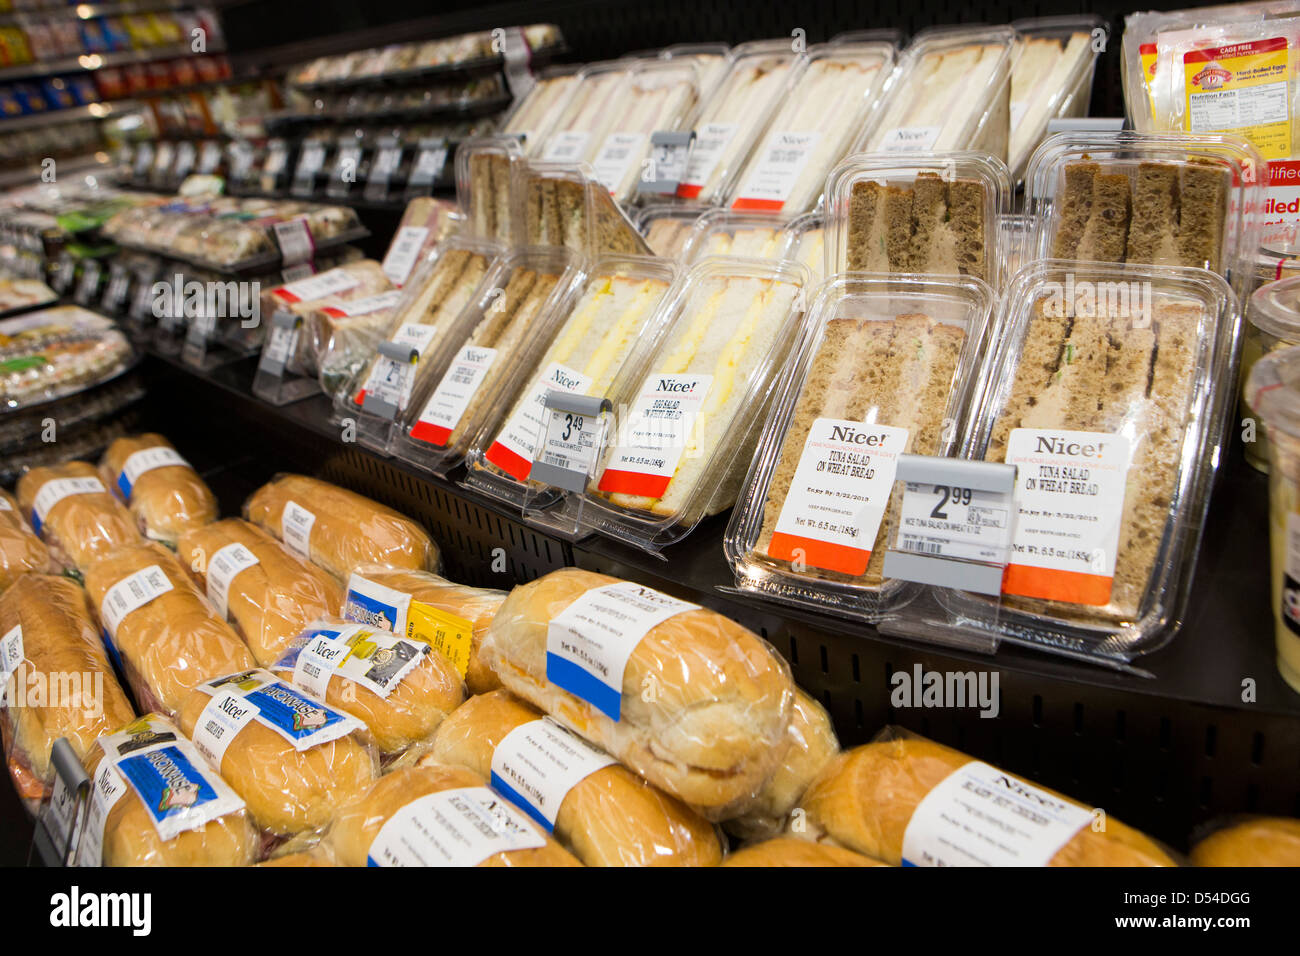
(64, 273)
(272, 381)
(295, 242)
(571, 438)
(347, 169)
(114, 301)
(62, 817)
(310, 161)
(209, 157)
(387, 161)
(186, 155)
(277, 159)
(141, 309)
(427, 168)
(955, 523)
(241, 161)
(387, 386)
(88, 284)
(666, 166)
(143, 161)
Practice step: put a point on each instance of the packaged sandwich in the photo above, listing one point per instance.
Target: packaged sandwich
(268, 594)
(399, 688)
(74, 513)
(483, 181)
(711, 60)
(584, 355)
(951, 91)
(166, 637)
(691, 401)
(1250, 841)
(935, 214)
(155, 802)
(56, 679)
(806, 245)
(666, 227)
(425, 223)
(439, 816)
(687, 698)
(20, 550)
(599, 810)
(533, 116)
(293, 759)
(909, 801)
(788, 851)
(338, 529)
(836, 91)
(722, 232)
(166, 495)
(883, 367)
(559, 204)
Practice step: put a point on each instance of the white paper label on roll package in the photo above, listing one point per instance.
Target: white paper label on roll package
(446, 406)
(107, 788)
(377, 660)
(655, 435)
(538, 763)
(366, 306)
(402, 254)
(1069, 507)
(52, 492)
(589, 642)
(784, 156)
(461, 827)
(981, 816)
(711, 140)
(910, 139)
(222, 568)
(146, 460)
(837, 498)
(11, 655)
(295, 529)
(4, 504)
(132, 592)
(515, 447)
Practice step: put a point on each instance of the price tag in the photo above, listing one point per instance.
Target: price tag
(186, 155)
(388, 159)
(573, 435)
(665, 169)
(279, 344)
(89, 282)
(429, 163)
(210, 157)
(241, 161)
(294, 239)
(119, 284)
(64, 273)
(347, 164)
(296, 273)
(310, 160)
(401, 256)
(143, 160)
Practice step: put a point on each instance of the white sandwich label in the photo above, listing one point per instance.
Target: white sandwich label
(222, 568)
(781, 163)
(295, 529)
(366, 306)
(538, 763)
(711, 141)
(132, 592)
(402, 254)
(146, 460)
(950, 522)
(982, 816)
(52, 492)
(333, 282)
(588, 643)
(4, 504)
(569, 146)
(220, 722)
(617, 153)
(377, 660)
(461, 827)
(107, 788)
(515, 448)
(655, 435)
(910, 139)
(446, 406)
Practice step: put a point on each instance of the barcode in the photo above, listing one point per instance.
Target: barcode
(462, 376)
(924, 547)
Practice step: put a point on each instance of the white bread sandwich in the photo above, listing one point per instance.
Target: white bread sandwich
(1038, 85)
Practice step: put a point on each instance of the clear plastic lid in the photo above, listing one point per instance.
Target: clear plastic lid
(1166, 199)
(951, 90)
(535, 115)
(806, 245)
(891, 35)
(721, 232)
(1273, 390)
(884, 365)
(582, 121)
(1275, 308)
(1016, 232)
(687, 418)
(834, 94)
(483, 180)
(1109, 390)
(560, 204)
(712, 60)
(666, 227)
(935, 214)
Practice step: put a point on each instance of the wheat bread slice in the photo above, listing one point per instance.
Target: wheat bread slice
(1105, 237)
(1076, 208)
(1153, 236)
(1204, 205)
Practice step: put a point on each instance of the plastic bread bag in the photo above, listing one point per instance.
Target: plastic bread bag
(535, 113)
(56, 679)
(599, 810)
(812, 744)
(268, 594)
(155, 802)
(908, 801)
(165, 494)
(293, 759)
(21, 551)
(400, 688)
(1247, 841)
(75, 514)
(439, 816)
(165, 636)
(450, 618)
(694, 703)
(789, 851)
(338, 529)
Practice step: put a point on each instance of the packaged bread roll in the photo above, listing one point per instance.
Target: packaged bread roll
(56, 677)
(74, 513)
(155, 802)
(292, 758)
(1260, 841)
(811, 745)
(166, 496)
(453, 618)
(690, 700)
(20, 550)
(268, 594)
(907, 800)
(168, 638)
(337, 528)
(788, 851)
(439, 816)
(599, 810)
(306, 858)
(399, 688)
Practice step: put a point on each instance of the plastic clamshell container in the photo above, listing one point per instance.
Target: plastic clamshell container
(951, 90)
(721, 232)
(1049, 198)
(666, 227)
(1016, 235)
(483, 178)
(711, 59)
(459, 389)
(587, 112)
(1272, 323)
(562, 204)
(856, 316)
(585, 348)
(953, 201)
(726, 330)
(835, 93)
(1157, 347)
(535, 114)
(806, 244)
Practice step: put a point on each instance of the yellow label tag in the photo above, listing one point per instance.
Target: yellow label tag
(1242, 88)
(449, 635)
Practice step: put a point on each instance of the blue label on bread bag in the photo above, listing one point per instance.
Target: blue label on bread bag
(167, 783)
(366, 609)
(289, 659)
(36, 521)
(293, 714)
(124, 485)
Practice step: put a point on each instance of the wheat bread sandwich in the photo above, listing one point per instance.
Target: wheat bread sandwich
(935, 227)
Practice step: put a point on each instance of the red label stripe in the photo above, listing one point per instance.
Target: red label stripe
(758, 205)
(431, 433)
(514, 465)
(689, 190)
(633, 483)
(819, 554)
(1049, 584)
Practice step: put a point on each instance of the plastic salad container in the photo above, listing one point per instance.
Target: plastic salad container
(1272, 323)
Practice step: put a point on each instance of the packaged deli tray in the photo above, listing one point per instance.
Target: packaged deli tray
(540, 109)
(687, 423)
(935, 214)
(55, 352)
(805, 238)
(584, 355)
(883, 366)
(1164, 199)
(721, 232)
(735, 115)
(1052, 78)
(483, 184)
(1109, 390)
(836, 92)
(951, 91)
(563, 204)
(457, 390)
(666, 227)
